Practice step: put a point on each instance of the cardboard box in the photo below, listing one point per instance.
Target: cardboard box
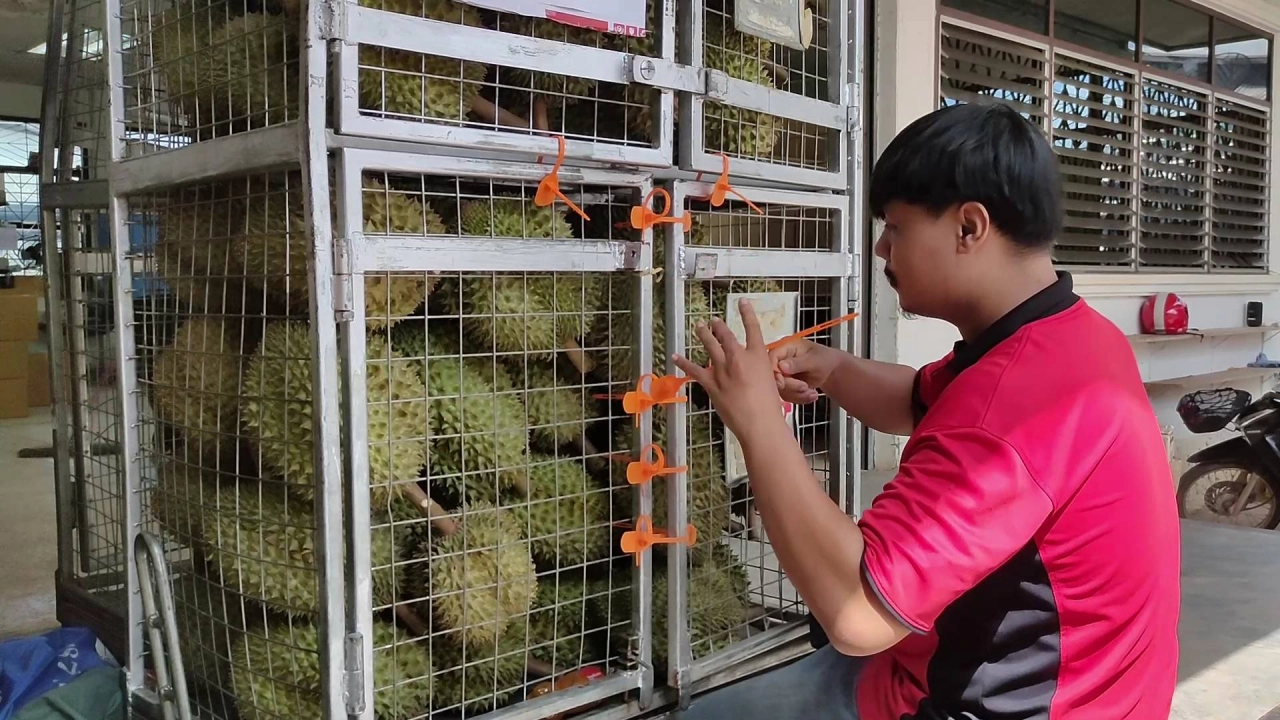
(27, 285)
(39, 393)
(13, 398)
(19, 317)
(13, 360)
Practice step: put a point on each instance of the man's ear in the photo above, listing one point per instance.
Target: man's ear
(974, 226)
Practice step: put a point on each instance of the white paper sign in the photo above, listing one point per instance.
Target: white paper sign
(8, 238)
(777, 313)
(622, 17)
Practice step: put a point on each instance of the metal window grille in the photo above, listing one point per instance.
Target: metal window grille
(1158, 175)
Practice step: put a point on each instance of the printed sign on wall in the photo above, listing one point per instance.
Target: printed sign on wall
(622, 17)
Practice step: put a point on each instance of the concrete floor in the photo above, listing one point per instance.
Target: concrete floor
(1230, 630)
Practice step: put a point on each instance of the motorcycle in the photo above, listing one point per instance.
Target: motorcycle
(1236, 481)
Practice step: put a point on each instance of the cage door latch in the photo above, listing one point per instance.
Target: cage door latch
(353, 673)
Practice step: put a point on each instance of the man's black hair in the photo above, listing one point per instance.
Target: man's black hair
(988, 154)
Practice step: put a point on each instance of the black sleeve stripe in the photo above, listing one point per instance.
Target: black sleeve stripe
(918, 406)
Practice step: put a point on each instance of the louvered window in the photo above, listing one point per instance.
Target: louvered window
(1157, 176)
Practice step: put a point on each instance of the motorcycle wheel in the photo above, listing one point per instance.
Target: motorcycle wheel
(1216, 498)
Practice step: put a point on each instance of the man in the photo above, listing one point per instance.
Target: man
(1024, 563)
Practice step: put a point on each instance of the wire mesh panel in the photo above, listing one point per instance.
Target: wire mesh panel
(196, 70)
(226, 398)
(726, 596)
(446, 72)
(779, 110)
(480, 445)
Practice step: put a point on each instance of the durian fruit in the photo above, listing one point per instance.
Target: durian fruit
(731, 130)
(716, 609)
(708, 496)
(557, 89)
(194, 252)
(263, 544)
(480, 437)
(418, 85)
(179, 40)
(253, 69)
(615, 331)
(273, 243)
(509, 217)
(536, 316)
(475, 679)
(561, 628)
(389, 297)
(566, 515)
(209, 623)
(276, 674)
(481, 576)
(558, 411)
(197, 383)
(182, 494)
(277, 411)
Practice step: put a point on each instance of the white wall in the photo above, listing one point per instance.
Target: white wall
(906, 77)
(20, 101)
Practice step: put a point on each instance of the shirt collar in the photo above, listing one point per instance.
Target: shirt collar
(1050, 301)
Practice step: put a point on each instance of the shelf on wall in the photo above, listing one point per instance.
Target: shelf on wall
(1204, 334)
(1219, 376)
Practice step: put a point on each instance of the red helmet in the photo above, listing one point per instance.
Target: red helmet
(1163, 314)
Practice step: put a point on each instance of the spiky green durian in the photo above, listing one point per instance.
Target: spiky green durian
(557, 89)
(731, 130)
(182, 492)
(276, 674)
(209, 621)
(708, 496)
(408, 83)
(277, 411)
(194, 252)
(538, 315)
(273, 243)
(481, 576)
(479, 679)
(253, 69)
(560, 626)
(263, 544)
(558, 410)
(565, 516)
(715, 610)
(388, 297)
(197, 383)
(480, 437)
(615, 331)
(180, 39)
(513, 218)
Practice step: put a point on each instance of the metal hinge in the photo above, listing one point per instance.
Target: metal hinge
(342, 290)
(666, 75)
(855, 282)
(353, 674)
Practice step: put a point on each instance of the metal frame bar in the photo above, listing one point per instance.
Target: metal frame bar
(833, 116)
(839, 267)
(447, 253)
(387, 29)
(857, 238)
(306, 142)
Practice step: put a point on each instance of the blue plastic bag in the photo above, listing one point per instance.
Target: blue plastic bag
(31, 667)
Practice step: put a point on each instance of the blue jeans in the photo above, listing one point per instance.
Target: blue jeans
(819, 686)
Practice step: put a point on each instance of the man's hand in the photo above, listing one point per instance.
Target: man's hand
(803, 367)
(739, 380)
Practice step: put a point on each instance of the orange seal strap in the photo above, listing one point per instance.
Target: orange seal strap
(643, 218)
(549, 187)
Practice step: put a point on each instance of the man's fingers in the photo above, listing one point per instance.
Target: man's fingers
(794, 386)
(714, 352)
(726, 338)
(699, 374)
(751, 323)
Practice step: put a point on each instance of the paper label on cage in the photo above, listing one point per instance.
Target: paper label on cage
(621, 17)
(779, 21)
(777, 313)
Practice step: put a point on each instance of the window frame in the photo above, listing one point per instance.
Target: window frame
(1141, 73)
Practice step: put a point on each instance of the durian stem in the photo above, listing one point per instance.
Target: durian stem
(540, 118)
(538, 667)
(438, 516)
(490, 112)
(581, 362)
(412, 620)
